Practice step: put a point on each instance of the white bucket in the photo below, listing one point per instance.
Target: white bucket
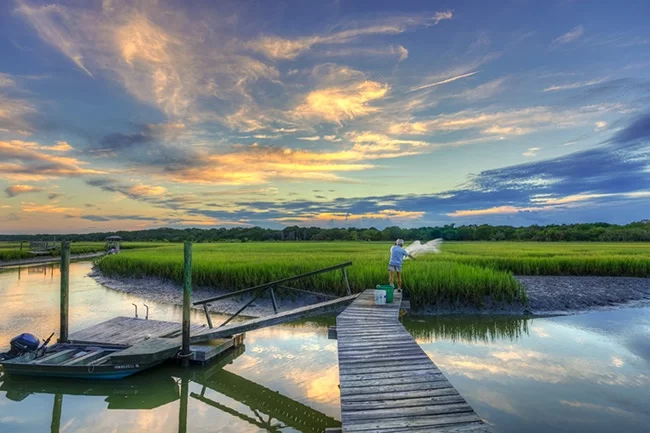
(380, 297)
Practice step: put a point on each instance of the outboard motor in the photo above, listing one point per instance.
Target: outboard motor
(21, 344)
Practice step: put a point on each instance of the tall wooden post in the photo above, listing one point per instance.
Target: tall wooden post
(65, 288)
(187, 303)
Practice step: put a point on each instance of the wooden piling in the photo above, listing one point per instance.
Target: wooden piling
(187, 303)
(65, 289)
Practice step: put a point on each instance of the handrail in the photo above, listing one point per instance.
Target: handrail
(273, 283)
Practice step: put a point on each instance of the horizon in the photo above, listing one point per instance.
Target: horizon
(123, 115)
(354, 228)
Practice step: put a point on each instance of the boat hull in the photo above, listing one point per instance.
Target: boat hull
(82, 372)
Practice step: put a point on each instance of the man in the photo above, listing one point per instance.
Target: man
(397, 254)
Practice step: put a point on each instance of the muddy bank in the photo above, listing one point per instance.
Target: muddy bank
(166, 291)
(47, 259)
(547, 295)
(567, 295)
(557, 295)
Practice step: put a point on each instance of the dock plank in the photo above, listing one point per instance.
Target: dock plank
(387, 382)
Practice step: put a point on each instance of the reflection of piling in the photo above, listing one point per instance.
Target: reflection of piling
(187, 302)
(56, 413)
(182, 415)
(65, 288)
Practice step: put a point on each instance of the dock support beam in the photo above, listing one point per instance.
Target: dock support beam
(65, 289)
(187, 303)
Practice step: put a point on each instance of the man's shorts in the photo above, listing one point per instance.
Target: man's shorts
(394, 268)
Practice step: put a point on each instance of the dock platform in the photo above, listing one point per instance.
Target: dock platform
(153, 339)
(388, 384)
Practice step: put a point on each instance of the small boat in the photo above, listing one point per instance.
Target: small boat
(82, 361)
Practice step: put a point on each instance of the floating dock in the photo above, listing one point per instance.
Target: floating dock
(388, 384)
(152, 340)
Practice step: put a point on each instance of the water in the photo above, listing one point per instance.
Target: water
(587, 373)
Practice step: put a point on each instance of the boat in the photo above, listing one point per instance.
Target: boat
(84, 361)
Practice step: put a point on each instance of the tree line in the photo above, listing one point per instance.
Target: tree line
(602, 232)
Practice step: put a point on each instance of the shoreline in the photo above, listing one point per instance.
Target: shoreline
(547, 296)
(47, 260)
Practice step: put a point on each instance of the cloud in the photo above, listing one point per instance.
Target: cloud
(392, 50)
(336, 104)
(575, 85)
(25, 161)
(532, 151)
(43, 20)
(485, 90)
(444, 81)
(387, 214)
(373, 146)
(146, 190)
(494, 211)
(259, 165)
(6, 81)
(61, 146)
(638, 130)
(159, 56)
(15, 190)
(49, 209)
(507, 130)
(137, 192)
(278, 48)
(519, 120)
(600, 126)
(14, 113)
(572, 36)
(568, 188)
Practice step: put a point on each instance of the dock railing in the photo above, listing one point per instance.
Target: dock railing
(259, 290)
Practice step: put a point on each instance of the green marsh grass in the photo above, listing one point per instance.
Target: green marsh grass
(237, 266)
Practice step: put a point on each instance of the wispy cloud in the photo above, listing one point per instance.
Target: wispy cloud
(575, 85)
(14, 114)
(6, 81)
(43, 19)
(159, 57)
(518, 121)
(398, 51)
(286, 49)
(485, 90)
(571, 36)
(445, 81)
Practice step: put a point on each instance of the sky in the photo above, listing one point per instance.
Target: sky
(127, 115)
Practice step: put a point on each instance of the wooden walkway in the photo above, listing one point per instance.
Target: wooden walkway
(273, 319)
(388, 384)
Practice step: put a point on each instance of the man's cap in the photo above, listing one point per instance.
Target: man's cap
(400, 242)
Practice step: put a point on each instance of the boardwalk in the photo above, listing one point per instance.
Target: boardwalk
(388, 383)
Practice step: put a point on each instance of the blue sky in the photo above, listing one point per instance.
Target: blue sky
(122, 114)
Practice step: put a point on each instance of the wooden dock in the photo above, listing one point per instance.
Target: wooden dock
(388, 384)
(152, 339)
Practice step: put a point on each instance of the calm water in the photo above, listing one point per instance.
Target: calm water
(587, 373)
